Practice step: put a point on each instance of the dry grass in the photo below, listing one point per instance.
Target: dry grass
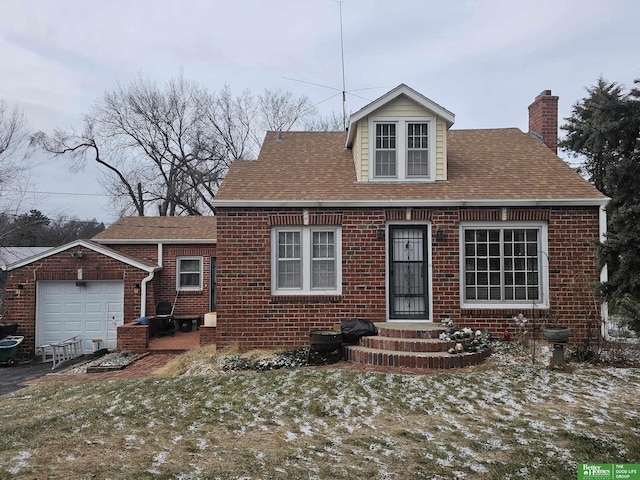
(513, 420)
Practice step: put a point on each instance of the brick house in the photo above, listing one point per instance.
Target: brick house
(404, 219)
(91, 288)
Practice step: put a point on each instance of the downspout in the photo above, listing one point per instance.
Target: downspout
(604, 276)
(143, 285)
(143, 293)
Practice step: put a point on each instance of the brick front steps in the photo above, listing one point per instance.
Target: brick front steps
(410, 345)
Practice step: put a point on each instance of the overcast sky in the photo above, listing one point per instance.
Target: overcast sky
(483, 60)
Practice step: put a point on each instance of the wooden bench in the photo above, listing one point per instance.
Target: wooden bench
(61, 352)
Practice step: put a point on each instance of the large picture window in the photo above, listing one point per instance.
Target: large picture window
(504, 266)
(189, 273)
(306, 260)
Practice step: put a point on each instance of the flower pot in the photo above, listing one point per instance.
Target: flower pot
(556, 334)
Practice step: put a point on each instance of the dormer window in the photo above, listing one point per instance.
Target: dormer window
(417, 149)
(403, 149)
(385, 150)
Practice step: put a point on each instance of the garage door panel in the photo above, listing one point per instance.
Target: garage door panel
(72, 307)
(94, 307)
(53, 308)
(52, 327)
(94, 327)
(90, 311)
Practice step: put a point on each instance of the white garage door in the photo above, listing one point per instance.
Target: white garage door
(90, 311)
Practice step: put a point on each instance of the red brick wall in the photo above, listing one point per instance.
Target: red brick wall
(133, 338)
(188, 302)
(249, 315)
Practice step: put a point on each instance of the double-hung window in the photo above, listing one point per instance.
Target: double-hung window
(403, 150)
(306, 260)
(385, 152)
(189, 273)
(503, 266)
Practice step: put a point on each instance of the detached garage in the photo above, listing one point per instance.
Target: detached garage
(81, 289)
(87, 309)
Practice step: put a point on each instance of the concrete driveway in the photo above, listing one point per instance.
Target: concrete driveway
(11, 378)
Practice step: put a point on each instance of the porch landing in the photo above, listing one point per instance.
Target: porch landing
(411, 345)
(178, 343)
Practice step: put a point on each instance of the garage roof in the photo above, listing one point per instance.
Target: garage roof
(96, 247)
(147, 230)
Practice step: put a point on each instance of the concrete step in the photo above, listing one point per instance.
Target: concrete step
(415, 360)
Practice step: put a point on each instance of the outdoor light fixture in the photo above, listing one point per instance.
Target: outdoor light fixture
(380, 234)
(440, 235)
(136, 288)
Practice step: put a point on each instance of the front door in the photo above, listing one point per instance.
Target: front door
(408, 278)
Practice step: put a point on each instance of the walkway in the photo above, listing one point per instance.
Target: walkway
(144, 367)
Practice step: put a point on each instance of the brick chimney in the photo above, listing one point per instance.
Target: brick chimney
(543, 119)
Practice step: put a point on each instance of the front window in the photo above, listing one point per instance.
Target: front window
(189, 273)
(502, 266)
(289, 260)
(306, 260)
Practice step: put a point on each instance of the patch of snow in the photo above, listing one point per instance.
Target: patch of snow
(19, 462)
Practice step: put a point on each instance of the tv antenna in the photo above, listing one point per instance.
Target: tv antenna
(342, 91)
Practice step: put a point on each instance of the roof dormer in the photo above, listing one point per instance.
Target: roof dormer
(400, 137)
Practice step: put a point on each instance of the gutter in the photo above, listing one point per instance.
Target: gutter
(542, 202)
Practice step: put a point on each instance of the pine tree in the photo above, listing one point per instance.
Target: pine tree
(604, 128)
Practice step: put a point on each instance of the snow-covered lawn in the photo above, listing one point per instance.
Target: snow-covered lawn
(508, 420)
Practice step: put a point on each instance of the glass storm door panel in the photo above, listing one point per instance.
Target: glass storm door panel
(408, 292)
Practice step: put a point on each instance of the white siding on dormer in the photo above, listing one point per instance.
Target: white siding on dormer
(401, 107)
(441, 149)
(356, 151)
(363, 131)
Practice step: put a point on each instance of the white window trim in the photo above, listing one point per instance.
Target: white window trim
(543, 265)
(401, 148)
(180, 288)
(306, 251)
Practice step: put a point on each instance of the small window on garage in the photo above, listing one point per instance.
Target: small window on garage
(189, 273)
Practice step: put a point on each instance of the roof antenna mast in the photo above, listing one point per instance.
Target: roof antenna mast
(344, 87)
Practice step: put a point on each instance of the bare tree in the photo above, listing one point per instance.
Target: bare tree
(14, 170)
(281, 111)
(12, 130)
(170, 148)
(330, 123)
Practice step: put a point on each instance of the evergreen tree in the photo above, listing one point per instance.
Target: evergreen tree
(604, 128)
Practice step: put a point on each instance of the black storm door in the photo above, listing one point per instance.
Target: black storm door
(408, 289)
